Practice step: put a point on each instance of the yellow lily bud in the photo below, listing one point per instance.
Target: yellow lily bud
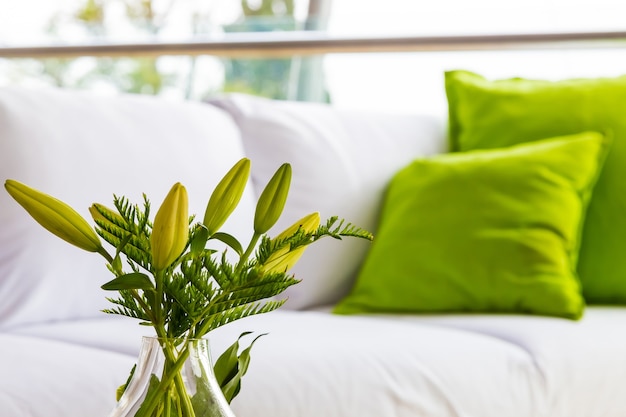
(308, 223)
(226, 196)
(272, 200)
(170, 231)
(284, 259)
(55, 216)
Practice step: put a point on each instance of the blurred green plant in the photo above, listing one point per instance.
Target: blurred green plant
(272, 78)
(132, 75)
(289, 78)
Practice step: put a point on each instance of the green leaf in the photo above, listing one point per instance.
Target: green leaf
(132, 281)
(123, 243)
(151, 298)
(150, 394)
(233, 386)
(230, 368)
(230, 240)
(122, 388)
(226, 365)
(200, 237)
(117, 264)
(244, 358)
(203, 401)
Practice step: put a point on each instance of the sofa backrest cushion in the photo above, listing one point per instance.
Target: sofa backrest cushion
(342, 162)
(82, 149)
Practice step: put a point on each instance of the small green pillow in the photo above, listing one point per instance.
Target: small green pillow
(483, 231)
(488, 114)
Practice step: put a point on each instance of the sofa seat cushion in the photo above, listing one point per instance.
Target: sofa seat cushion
(111, 333)
(315, 363)
(49, 378)
(583, 363)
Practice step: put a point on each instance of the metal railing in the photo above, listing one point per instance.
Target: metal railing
(277, 44)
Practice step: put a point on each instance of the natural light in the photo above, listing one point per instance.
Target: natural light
(313, 208)
(384, 81)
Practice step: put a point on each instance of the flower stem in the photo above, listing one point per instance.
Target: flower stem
(106, 255)
(157, 308)
(244, 258)
(167, 411)
(171, 373)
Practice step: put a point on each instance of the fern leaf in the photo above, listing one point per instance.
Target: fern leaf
(127, 306)
(218, 320)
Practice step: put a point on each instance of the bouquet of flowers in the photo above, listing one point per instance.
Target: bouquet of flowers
(168, 276)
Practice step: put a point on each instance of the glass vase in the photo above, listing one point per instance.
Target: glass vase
(173, 378)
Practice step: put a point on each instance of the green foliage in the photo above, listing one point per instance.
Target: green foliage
(277, 78)
(334, 228)
(197, 288)
(231, 366)
(267, 7)
(128, 230)
(202, 290)
(296, 78)
(91, 13)
(131, 281)
(153, 391)
(131, 75)
(122, 388)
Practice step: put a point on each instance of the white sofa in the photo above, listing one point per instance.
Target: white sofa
(60, 356)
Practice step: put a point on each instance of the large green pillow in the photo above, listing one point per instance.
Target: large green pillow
(483, 231)
(489, 114)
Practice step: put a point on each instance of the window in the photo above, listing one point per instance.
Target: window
(405, 81)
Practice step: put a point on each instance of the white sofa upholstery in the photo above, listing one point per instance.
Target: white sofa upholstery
(60, 356)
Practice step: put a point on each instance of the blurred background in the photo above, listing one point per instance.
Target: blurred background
(405, 81)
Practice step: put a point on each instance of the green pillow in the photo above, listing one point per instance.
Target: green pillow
(489, 114)
(483, 231)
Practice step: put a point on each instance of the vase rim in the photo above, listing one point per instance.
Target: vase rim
(182, 338)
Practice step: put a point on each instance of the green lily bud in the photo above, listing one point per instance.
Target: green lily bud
(226, 196)
(272, 200)
(284, 259)
(170, 231)
(55, 216)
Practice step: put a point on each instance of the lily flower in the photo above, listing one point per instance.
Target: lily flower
(272, 200)
(170, 230)
(55, 216)
(285, 258)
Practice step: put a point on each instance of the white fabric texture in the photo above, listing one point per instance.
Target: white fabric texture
(313, 364)
(44, 378)
(82, 149)
(342, 162)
